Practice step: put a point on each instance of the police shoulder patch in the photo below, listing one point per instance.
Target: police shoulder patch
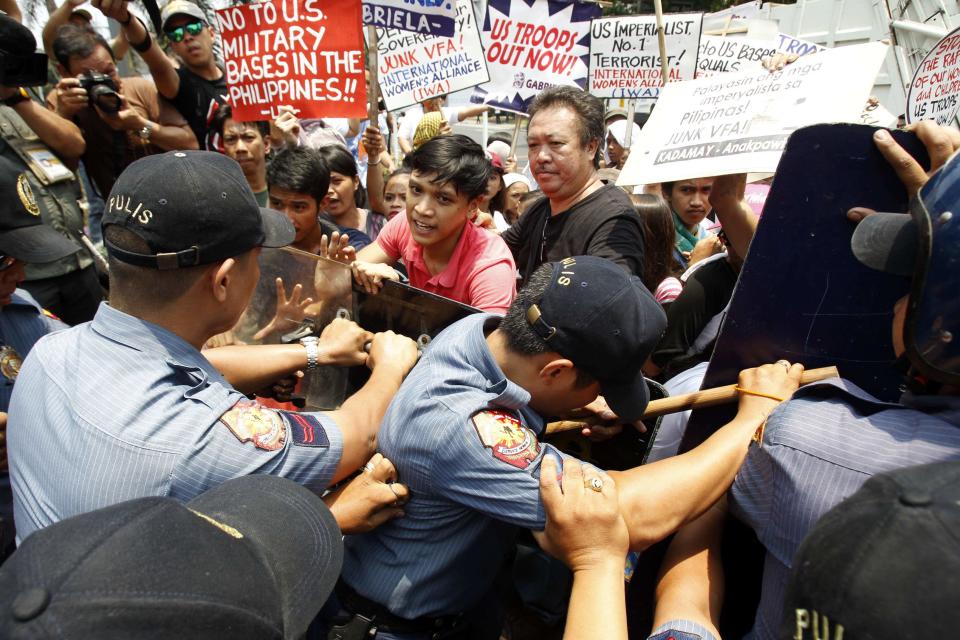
(306, 430)
(506, 437)
(249, 421)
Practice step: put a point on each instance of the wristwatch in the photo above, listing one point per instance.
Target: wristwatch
(310, 343)
(18, 97)
(145, 132)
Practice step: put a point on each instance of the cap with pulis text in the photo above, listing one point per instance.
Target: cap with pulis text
(191, 208)
(606, 322)
(254, 557)
(885, 563)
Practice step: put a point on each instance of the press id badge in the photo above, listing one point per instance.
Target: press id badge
(45, 165)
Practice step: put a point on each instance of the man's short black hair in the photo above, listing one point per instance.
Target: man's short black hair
(589, 110)
(74, 41)
(455, 159)
(300, 170)
(225, 112)
(521, 338)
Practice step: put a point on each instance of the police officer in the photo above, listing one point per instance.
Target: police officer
(463, 433)
(48, 147)
(23, 238)
(126, 406)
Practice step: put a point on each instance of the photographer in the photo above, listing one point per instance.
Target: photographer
(121, 120)
(46, 148)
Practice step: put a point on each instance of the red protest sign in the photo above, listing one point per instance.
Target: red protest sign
(303, 53)
(935, 90)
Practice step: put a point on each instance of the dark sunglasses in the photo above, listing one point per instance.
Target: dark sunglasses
(6, 262)
(178, 34)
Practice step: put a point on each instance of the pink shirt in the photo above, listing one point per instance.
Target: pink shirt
(480, 273)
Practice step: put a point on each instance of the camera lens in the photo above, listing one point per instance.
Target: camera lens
(106, 99)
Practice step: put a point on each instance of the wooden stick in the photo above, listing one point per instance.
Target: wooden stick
(695, 400)
(631, 110)
(513, 140)
(661, 42)
(373, 95)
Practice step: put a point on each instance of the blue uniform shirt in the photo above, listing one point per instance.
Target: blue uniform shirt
(473, 477)
(120, 408)
(22, 323)
(818, 449)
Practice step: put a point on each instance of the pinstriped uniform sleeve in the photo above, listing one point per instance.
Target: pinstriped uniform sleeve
(752, 491)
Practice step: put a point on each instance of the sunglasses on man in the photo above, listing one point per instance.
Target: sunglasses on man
(178, 34)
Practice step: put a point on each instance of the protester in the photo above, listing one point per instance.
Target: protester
(248, 143)
(395, 192)
(77, 12)
(130, 405)
(689, 201)
(580, 215)
(515, 186)
(492, 203)
(67, 286)
(660, 267)
(23, 239)
(615, 153)
(254, 558)
(442, 250)
(462, 432)
(121, 119)
(450, 115)
(341, 201)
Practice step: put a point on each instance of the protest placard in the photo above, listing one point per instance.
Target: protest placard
(739, 122)
(303, 53)
(936, 83)
(413, 67)
(728, 55)
(790, 44)
(625, 57)
(531, 45)
(435, 17)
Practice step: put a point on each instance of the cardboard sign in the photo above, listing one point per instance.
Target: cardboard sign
(740, 122)
(729, 55)
(433, 17)
(802, 295)
(304, 53)
(531, 45)
(414, 67)
(936, 84)
(789, 44)
(625, 57)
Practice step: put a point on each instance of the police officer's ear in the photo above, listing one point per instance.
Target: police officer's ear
(221, 276)
(554, 371)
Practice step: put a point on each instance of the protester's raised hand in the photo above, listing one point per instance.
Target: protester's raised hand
(778, 61)
(763, 388)
(373, 142)
(290, 311)
(338, 248)
(705, 248)
(584, 527)
(285, 128)
(71, 97)
(510, 165)
(343, 343)
(486, 221)
(116, 9)
(727, 190)
(370, 499)
(391, 349)
(370, 275)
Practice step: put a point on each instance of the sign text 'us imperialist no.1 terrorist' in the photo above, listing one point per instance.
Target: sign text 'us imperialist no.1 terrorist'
(303, 53)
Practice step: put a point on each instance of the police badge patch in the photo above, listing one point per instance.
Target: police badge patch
(506, 437)
(10, 362)
(27, 198)
(251, 422)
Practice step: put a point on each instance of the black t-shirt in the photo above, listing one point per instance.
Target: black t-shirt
(705, 295)
(603, 224)
(195, 98)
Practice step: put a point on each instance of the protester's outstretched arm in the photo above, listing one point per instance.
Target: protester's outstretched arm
(738, 220)
(61, 135)
(56, 20)
(471, 111)
(391, 358)
(656, 499)
(374, 144)
(161, 68)
(690, 585)
(586, 531)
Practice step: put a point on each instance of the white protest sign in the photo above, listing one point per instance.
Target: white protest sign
(413, 67)
(728, 55)
(936, 84)
(625, 56)
(531, 45)
(732, 17)
(436, 17)
(790, 44)
(740, 122)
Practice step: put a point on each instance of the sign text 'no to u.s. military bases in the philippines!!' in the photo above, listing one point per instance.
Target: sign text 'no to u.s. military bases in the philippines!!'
(303, 53)
(413, 67)
(434, 17)
(531, 45)
(625, 55)
(740, 122)
(935, 90)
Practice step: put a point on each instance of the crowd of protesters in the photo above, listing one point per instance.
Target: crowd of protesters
(155, 477)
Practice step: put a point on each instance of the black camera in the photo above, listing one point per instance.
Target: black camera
(22, 69)
(101, 91)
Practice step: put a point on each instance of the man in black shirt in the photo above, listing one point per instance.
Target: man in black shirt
(580, 215)
(199, 85)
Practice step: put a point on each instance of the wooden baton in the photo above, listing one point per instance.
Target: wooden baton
(695, 400)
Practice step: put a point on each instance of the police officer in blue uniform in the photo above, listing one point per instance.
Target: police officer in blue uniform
(23, 238)
(126, 406)
(463, 432)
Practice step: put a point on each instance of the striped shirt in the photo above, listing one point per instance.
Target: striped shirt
(468, 493)
(22, 323)
(818, 449)
(120, 408)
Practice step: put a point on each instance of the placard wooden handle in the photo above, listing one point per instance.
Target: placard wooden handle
(695, 400)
